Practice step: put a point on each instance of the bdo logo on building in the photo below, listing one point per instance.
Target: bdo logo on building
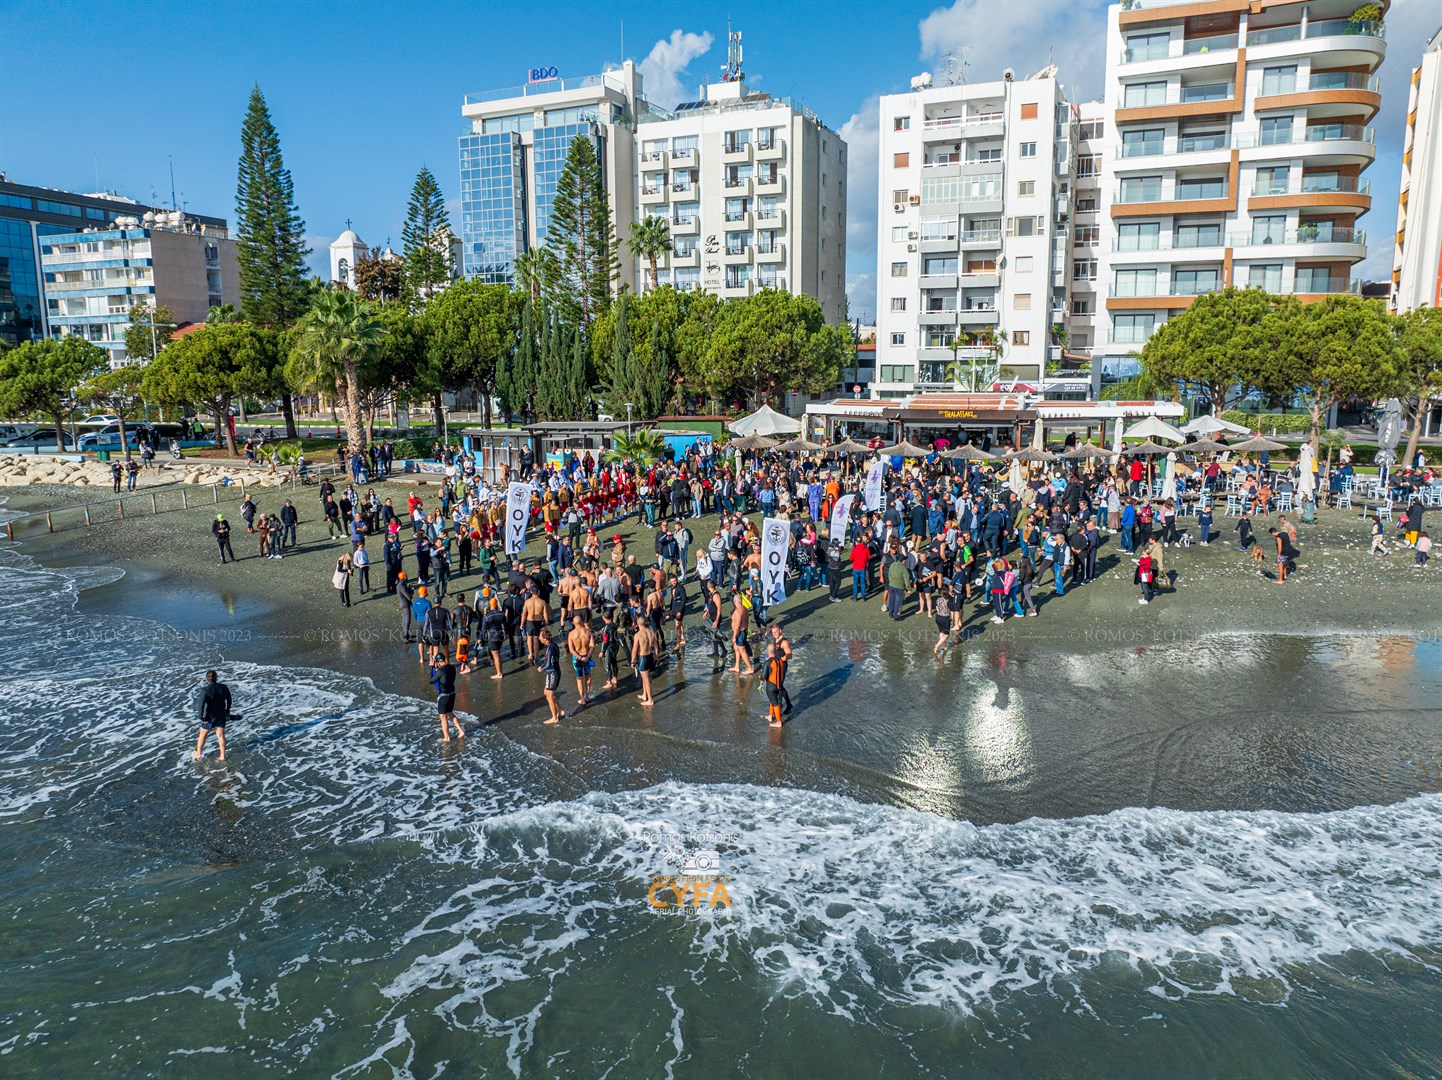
(543, 74)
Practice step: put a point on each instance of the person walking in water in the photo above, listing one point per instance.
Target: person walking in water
(644, 647)
(214, 712)
(549, 665)
(443, 678)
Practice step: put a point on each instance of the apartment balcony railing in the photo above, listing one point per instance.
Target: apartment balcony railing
(1322, 80)
(1163, 289)
(961, 121)
(1306, 185)
(1316, 234)
(1326, 28)
(1327, 285)
(1183, 144)
(1177, 47)
(1185, 95)
(1318, 133)
(1169, 192)
(981, 236)
(684, 153)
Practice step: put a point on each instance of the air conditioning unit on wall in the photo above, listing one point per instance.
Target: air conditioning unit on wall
(916, 200)
(898, 207)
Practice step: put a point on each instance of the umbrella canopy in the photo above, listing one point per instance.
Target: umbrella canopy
(1307, 480)
(1032, 456)
(903, 449)
(1203, 446)
(765, 421)
(849, 446)
(1014, 478)
(1148, 448)
(1086, 451)
(1210, 425)
(754, 442)
(1255, 445)
(1169, 478)
(800, 446)
(968, 453)
(1153, 428)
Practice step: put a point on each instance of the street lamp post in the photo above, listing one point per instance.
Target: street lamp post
(628, 420)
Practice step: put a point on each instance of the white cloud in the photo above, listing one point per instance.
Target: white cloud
(1025, 35)
(664, 65)
(862, 134)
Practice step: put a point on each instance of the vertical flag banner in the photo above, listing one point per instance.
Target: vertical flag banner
(872, 491)
(518, 513)
(775, 537)
(841, 518)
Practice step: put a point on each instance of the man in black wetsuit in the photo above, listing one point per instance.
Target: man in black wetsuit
(214, 712)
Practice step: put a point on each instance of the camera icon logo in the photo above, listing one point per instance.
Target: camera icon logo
(702, 862)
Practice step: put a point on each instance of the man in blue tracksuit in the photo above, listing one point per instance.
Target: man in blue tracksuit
(1128, 526)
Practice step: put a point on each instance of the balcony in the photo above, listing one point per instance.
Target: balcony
(978, 315)
(1184, 144)
(738, 219)
(981, 238)
(767, 184)
(656, 156)
(771, 217)
(1327, 28)
(771, 253)
(770, 150)
(1326, 286)
(689, 256)
(1196, 100)
(942, 316)
(974, 126)
(737, 185)
(689, 226)
(655, 193)
(938, 245)
(685, 157)
(735, 151)
(1310, 191)
(1313, 236)
(978, 279)
(1169, 191)
(938, 281)
(683, 187)
(1179, 47)
(734, 255)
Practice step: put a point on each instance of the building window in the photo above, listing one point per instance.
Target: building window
(1087, 165)
(1025, 226)
(1140, 94)
(1086, 205)
(1021, 337)
(1081, 305)
(1087, 235)
(1195, 236)
(1139, 236)
(1023, 264)
(1268, 277)
(1084, 269)
(1025, 187)
(1022, 301)
(897, 373)
(1154, 46)
(900, 161)
(1028, 111)
(898, 338)
(1027, 150)
(1132, 329)
(1194, 282)
(1143, 142)
(898, 269)
(343, 270)
(898, 234)
(1091, 129)
(1136, 283)
(901, 123)
(1202, 187)
(898, 303)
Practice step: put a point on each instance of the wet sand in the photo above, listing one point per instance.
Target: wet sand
(1202, 684)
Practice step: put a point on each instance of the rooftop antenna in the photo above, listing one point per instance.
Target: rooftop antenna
(733, 56)
(173, 205)
(956, 66)
(623, 41)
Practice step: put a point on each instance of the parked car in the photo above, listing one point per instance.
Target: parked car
(44, 438)
(11, 431)
(109, 437)
(99, 420)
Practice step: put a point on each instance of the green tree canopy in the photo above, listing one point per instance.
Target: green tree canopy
(582, 238)
(148, 331)
(1419, 333)
(426, 241)
(41, 377)
(116, 391)
(205, 370)
(772, 343)
(1214, 347)
(650, 239)
(379, 279)
(1341, 348)
(469, 333)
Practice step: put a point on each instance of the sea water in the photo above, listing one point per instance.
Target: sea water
(343, 897)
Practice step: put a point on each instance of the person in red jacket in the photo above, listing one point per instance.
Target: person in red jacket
(860, 560)
(1137, 473)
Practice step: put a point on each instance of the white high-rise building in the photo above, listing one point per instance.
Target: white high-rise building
(974, 249)
(1417, 263)
(1236, 138)
(753, 187)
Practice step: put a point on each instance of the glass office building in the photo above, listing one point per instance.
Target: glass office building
(493, 206)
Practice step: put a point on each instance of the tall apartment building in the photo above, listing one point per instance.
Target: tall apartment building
(1417, 261)
(162, 258)
(753, 186)
(30, 214)
(1237, 138)
(1091, 232)
(974, 251)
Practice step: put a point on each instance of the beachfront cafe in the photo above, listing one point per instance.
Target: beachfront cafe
(986, 420)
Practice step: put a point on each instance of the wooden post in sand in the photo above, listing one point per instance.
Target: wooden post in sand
(153, 509)
(184, 500)
(87, 517)
(120, 505)
(49, 525)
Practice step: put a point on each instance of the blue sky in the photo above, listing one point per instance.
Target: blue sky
(364, 93)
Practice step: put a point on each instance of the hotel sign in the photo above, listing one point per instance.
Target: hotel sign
(543, 74)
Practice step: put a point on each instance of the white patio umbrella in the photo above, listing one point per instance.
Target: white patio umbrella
(1117, 442)
(1169, 478)
(1154, 428)
(1014, 478)
(1210, 425)
(1307, 481)
(765, 421)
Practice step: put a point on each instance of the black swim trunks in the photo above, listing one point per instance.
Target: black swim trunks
(645, 662)
(445, 703)
(553, 680)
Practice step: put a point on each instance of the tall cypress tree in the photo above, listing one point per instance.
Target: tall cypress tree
(426, 240)
(582, 237)
(578, 382)
(270, 235)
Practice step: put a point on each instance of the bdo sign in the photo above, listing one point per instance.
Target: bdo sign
(543, 74)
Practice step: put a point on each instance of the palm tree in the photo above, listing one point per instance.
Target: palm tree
(650, 239)
(534, 269)
(220, 314)
(640, 448)
(338, 339)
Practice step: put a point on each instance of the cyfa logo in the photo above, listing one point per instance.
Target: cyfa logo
(699, 882)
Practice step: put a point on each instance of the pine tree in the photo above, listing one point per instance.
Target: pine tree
(623, 361)
(516, 378)
(656, 377)
(578, 382)
(270, 235)
(582, 237)
(426, 240)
